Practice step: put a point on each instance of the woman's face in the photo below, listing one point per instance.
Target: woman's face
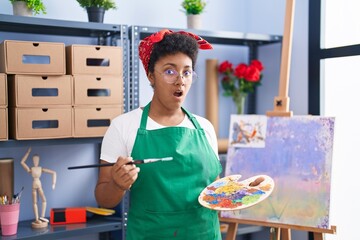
(170, 89)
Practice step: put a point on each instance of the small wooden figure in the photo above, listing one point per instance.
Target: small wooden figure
(36, 171)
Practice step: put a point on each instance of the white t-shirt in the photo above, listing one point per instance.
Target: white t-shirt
(120, 137)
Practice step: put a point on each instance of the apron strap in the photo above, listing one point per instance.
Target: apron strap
(192, 118)
(145, 115)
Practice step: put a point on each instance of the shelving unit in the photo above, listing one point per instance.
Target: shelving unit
(104, 34)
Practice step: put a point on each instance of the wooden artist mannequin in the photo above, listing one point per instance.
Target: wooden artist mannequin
(36, 172)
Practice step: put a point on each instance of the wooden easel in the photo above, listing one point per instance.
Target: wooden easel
(281, 108)
(281, 102)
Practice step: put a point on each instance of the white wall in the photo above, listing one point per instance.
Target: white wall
(255, 16)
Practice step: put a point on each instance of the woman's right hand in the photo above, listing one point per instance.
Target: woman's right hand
(123, 174)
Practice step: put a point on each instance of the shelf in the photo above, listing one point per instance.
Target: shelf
(217, 37)
(48, 142)
(11, 23)
(93, 225)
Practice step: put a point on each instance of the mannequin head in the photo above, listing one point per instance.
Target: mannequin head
(36, 160)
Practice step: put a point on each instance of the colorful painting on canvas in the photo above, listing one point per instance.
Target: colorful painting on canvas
(297, 153)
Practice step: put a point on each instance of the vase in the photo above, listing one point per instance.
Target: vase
(239, 100)
(21, 9)
(96, 14)
(194, 21)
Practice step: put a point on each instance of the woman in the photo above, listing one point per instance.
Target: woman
(163, 194)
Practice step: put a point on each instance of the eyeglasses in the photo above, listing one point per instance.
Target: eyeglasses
(171, 76)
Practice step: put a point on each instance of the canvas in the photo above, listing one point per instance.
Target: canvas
(297, 153)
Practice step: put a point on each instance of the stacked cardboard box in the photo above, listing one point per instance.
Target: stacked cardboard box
(40, 94)
(3, 108)
(98, 95)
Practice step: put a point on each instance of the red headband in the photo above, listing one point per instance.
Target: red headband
(147, 44)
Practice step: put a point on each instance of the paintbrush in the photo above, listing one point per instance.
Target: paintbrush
(149, 160)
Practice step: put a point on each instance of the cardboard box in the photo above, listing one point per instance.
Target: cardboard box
(40, 123)
(3, 90)
(94, 121)
(92, 59)
(102, 90)
(40, 91)
(3, 124)
(25, 57)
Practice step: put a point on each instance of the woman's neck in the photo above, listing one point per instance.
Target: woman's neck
(166, 117)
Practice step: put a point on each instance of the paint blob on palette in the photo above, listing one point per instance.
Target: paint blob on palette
(230, 193)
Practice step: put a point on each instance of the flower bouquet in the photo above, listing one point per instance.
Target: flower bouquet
(238, 82)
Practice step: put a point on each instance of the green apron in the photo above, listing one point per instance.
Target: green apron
(164, 198)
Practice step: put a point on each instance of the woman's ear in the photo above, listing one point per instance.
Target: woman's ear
(151, 78)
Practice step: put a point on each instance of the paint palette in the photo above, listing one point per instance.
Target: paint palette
(230, 193)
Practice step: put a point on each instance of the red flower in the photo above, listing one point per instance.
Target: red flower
(252, 74)
(243, 79)
(225, 67)
(240, 70)
(257, 64)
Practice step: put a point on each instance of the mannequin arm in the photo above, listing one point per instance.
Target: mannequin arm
(53, 176)
(23, 160)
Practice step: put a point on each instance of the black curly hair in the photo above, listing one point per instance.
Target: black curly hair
(172, 44)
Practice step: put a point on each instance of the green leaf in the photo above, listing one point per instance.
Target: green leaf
(193, 6)
(36, 5)
(106, 4)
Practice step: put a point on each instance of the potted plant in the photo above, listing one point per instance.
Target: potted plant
(193, 9)
(28, 7)
(96, 8)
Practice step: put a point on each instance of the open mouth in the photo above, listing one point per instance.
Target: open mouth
(178, 93)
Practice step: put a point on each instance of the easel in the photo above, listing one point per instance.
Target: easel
(281, 108)
(281, 102)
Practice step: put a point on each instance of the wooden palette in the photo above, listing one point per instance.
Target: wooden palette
(229, 193)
